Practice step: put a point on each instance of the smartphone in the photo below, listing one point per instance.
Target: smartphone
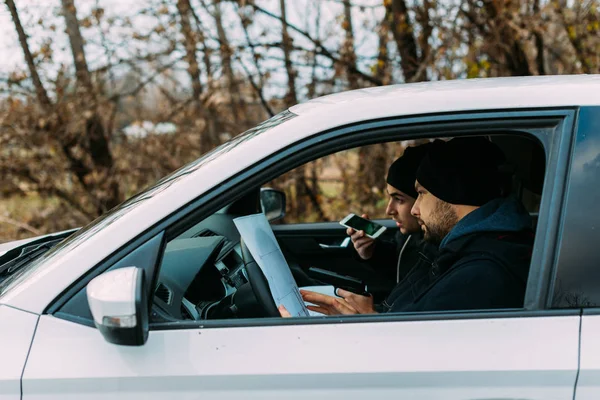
(371, 229)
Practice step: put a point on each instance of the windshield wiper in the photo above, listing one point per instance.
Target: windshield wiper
(26, 258)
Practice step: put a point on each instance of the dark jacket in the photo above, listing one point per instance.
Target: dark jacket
(483, 263)
(407, 261)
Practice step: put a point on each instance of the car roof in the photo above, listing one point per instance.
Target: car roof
(457, 95)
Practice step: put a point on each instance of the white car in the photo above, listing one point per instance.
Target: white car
(152, 300)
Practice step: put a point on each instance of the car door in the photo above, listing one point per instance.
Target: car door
(530, 353)
(588, 383)
(460, 357)
(16, 334)
(578, 273)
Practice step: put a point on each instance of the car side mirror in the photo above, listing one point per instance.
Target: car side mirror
(272, 203)
(119, 305)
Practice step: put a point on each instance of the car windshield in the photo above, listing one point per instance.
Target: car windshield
(84, 234)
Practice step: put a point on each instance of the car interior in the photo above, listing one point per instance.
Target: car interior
(207, 274)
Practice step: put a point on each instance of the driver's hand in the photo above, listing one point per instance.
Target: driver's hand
(329, 305)
(284, 312)
(363, 244)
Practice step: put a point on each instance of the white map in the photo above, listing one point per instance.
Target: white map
(260, 240)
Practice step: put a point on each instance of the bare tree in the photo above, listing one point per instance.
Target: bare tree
(227, 63)
(348, 51)
(76, 42)
(69, 130)
(189, 36)
(42, 95)
(403, 32)
(292, 97)
(106, 187)
(382, 65)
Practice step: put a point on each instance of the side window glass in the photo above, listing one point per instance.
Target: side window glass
(203, 275)
(145, 256)
(329, 188)
(577, 281)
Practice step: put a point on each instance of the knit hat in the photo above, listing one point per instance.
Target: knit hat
(462, 171)
(402, 173)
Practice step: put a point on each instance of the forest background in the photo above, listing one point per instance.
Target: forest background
(101, 98)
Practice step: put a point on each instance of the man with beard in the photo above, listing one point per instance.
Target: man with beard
(485, 241)
(409, 257)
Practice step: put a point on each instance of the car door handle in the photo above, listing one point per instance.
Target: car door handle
(342, 245)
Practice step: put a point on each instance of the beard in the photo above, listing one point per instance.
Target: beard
(442, 220)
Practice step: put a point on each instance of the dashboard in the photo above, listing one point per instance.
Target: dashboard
(201, 273)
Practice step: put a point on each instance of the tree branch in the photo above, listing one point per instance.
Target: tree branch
(18, 224)
(42, 95)
(403, 32)
(143, 84)
(320, 49)
(76, 40)
(258, 90)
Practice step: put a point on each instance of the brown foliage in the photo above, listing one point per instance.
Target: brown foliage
(67, 156)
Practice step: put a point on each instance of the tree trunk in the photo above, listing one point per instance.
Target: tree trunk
(104, 187)
(403, 33)
(226, 53)
(76, 41)
(312, 86)
(348, 52)
(206, 51)
(505, 45)
(184, 7)
(213, 123)
(381, 69)
(258, 86)
(208, 140)
(423, 20)
(40, 90)
(370, 161)
(292, 97)
(539, 41)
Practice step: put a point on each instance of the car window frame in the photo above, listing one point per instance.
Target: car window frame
(556, 147)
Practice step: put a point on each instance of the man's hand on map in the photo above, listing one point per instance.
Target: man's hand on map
(284, 312)
(349, 303)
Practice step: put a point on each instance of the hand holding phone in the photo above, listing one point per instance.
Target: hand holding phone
(370, 228)
(358, 230)
(364, 245)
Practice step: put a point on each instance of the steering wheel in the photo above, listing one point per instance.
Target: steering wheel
(259, 283)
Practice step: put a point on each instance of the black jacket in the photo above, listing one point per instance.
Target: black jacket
(408, 260)
(483, 263)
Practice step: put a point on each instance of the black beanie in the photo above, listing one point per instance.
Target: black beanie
(402, 173)
(462, 171)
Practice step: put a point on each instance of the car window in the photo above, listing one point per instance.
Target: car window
(202, 274)
(578, 272)
(331, 187)
(145, 256)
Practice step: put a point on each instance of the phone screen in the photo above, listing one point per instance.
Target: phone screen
(361, 224)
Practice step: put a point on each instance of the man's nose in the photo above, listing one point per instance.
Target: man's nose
(415, 210)
(389, 210)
